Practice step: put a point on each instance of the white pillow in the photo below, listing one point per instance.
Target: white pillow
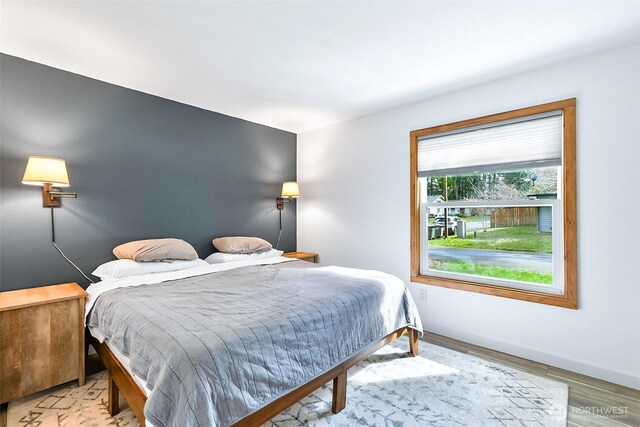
(219, 257)
(127, 267)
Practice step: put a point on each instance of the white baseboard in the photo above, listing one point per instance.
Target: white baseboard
(532, 354)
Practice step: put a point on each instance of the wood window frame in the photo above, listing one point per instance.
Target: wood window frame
(569, 297)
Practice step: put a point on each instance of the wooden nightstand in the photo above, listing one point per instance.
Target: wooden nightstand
(41, 339)
(304, 256)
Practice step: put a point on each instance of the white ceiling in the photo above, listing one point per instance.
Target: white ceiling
(302, 65)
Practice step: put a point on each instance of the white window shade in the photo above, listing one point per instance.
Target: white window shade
(526, 142)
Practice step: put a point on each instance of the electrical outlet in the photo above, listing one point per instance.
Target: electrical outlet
(423, 295)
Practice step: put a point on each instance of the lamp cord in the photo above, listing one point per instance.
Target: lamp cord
(279, 232)
(278, 243)
(53, 241)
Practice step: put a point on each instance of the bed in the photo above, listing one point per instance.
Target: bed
(238, 343)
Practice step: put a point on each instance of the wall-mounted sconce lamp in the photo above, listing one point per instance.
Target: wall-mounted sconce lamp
(290, 191)
(49, 172)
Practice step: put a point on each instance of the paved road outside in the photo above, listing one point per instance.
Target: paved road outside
(534, 261)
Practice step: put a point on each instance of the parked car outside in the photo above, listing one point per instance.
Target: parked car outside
(452, 223)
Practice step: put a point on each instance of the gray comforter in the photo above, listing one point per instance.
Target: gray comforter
(216, 347)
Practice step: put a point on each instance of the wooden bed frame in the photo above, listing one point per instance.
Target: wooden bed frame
(121, 381)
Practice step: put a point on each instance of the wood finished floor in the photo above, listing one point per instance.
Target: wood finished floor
(589, 398)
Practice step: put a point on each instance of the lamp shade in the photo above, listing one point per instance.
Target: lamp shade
(290, 189)
(46, 170)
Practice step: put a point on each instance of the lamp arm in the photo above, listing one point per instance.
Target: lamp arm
(50, 198)
(280, 201)
(60, 194)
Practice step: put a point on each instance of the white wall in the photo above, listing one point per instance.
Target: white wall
(355, 212)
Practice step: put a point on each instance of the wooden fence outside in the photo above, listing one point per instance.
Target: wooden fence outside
(513, 217)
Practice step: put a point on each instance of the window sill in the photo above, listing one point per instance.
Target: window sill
(565, 300)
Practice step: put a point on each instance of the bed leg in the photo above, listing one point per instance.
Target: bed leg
(413, 342)
(339, 393)
(113, 403)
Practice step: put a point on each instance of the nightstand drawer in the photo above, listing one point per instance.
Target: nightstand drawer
(41, 341)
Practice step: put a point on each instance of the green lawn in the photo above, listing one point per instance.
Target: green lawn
(497, 272)
(524, 238)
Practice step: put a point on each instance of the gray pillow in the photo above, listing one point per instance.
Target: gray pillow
(155, 250)
(241, 245)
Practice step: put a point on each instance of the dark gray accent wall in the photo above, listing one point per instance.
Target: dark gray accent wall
(143, 167)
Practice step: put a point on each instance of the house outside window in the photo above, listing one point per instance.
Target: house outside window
(493, 205)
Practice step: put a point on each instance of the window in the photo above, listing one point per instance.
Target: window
(493, 205)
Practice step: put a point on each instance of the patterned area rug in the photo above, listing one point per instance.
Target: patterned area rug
(441, 387)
